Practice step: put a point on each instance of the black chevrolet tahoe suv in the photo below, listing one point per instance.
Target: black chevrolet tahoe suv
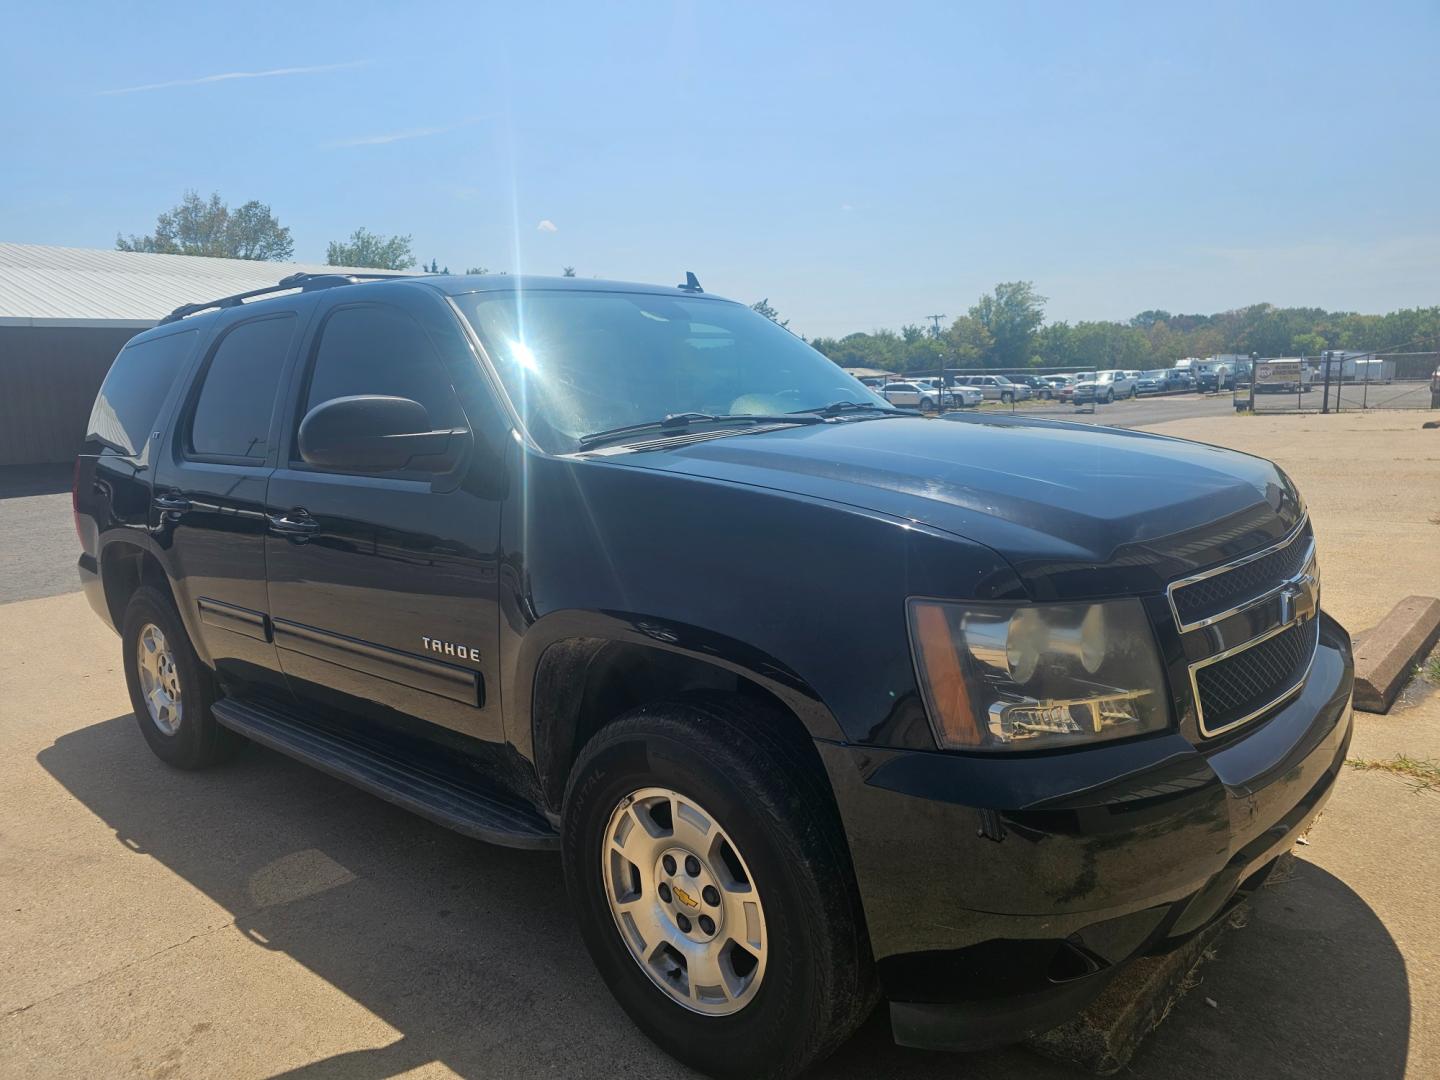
(821, 702)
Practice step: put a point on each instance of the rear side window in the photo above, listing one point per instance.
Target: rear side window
(373, 349)
(237, 396)
(130, 398)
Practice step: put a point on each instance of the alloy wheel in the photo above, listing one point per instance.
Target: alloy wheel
(684, 901)
(159, 679)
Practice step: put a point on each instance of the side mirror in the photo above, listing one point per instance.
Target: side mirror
(374, 433)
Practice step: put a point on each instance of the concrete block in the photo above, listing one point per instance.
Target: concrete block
(1385, 656)
(1103, 1038)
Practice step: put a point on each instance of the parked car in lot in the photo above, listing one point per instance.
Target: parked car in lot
(564, 578)
(951, 397)
(911, 395)
(1435, 389)
(1039, 387)
(1062, 387)
(962, 396)
(1213, 377)
(1157, 381)
(1104, 387)
(996, 387)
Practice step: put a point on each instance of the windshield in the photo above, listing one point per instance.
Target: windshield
(578, 362)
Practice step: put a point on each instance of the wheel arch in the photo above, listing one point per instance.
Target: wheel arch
(578, 682)
(124, 567)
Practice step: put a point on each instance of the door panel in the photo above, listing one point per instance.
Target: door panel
(390, 566)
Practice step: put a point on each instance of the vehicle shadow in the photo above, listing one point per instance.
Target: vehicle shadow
(470, 951)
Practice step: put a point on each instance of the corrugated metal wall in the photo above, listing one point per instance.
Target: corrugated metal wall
(48, 380)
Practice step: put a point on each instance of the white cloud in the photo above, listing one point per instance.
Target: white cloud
(227, 76)
(846, 207)
(546, 225)
(383, 138)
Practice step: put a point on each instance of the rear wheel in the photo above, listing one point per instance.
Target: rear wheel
(927, 404)
(712, 886)
(171, 691)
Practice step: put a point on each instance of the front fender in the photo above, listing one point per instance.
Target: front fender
(669, 636)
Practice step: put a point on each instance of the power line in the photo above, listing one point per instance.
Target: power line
(936, 320)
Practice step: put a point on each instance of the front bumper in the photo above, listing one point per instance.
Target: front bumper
(1002, 892)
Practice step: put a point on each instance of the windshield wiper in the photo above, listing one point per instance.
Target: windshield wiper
(837, 407)
(677, 422)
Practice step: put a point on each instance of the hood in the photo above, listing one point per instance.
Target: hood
(1077, 510)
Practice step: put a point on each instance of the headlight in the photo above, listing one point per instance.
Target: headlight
(1037, 676)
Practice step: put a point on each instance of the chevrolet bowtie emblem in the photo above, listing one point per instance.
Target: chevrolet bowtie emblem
(684, 897)
(1299, 599)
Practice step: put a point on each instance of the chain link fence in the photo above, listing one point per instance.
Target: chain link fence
(1338, 382)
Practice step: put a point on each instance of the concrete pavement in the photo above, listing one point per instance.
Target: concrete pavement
(261, 919)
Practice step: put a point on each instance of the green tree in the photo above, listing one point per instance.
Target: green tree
(763, 307)
(480, 270)
(365, 248)
(201, 227)
(1010, 316)
(568, 271)
(1146, 319)
(969, 343)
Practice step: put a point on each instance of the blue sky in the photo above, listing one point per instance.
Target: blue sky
(861, 165)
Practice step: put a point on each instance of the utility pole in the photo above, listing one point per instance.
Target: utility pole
(936, 320)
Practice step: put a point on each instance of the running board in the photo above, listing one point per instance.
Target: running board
(477, 813)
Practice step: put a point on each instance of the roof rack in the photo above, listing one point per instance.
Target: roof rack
(305, 282)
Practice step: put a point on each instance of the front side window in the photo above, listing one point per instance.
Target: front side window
(374, 349)
(237, 396)
(577, 362)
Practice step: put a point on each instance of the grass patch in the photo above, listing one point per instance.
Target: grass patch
(1423, 774)
(1430, 669)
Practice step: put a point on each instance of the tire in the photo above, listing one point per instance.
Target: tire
(927, 405)
(1007, 399)
(728, 758)
(1109, 397)
(186, 737)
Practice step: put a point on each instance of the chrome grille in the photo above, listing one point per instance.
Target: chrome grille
(1212, 595)
(1251, 628)
(1234, 688)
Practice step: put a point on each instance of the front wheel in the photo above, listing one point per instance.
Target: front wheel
(1007, 398)
(927, 405)
(711, 881)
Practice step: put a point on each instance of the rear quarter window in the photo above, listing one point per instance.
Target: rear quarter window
(130, 398)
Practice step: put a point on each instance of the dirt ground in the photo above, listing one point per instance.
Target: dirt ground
(263, 920)
(1372, 482)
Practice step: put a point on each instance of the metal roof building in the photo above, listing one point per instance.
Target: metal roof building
(66, 312)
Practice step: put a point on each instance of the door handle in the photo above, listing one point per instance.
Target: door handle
(172, 504)
(295, 522)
